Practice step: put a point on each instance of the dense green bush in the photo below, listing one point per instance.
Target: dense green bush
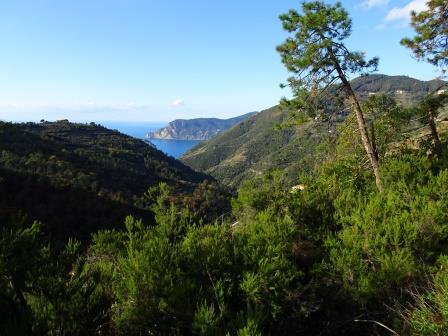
(327, 254)
(176, 276)
(429, 316)
(45, 290)
(386, 239)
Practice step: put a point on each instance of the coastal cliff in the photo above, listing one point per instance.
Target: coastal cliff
(196, 129)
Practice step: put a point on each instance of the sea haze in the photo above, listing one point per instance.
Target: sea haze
(174, 148)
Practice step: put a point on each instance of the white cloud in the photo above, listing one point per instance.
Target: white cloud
(177, 103)
(404, 13)
(381, 26)
(374, 3)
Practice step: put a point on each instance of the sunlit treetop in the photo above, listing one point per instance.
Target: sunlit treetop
(315, 49)
(431, 41)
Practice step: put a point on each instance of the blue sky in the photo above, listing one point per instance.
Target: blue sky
(157, 60)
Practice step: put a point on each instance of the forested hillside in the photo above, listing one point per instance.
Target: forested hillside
(79, 178)
(256, 146)
(405, 90)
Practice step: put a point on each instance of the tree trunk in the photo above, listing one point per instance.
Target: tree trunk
(365, 136)
(361, 122)
(24, 310)
(373, 139)
(432, 126)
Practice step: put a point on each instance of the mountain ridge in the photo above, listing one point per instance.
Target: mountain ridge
(254, 146)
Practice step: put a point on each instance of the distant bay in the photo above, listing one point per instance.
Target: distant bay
(134, 129)
(174, 148)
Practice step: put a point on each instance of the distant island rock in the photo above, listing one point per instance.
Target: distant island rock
(196, 129)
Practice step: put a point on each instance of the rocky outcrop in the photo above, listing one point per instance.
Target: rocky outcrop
(196, 129)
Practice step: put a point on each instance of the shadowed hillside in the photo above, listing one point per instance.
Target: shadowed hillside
(78, 178)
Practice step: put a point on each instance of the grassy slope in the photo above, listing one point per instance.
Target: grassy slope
(253, 146)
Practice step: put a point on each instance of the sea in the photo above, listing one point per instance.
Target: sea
(174, 148)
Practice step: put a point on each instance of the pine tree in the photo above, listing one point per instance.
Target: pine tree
(318, 58)
(431, 41)
(429, 108)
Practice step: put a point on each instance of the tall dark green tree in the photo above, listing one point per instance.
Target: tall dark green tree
(431, 40)
(316, 55)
